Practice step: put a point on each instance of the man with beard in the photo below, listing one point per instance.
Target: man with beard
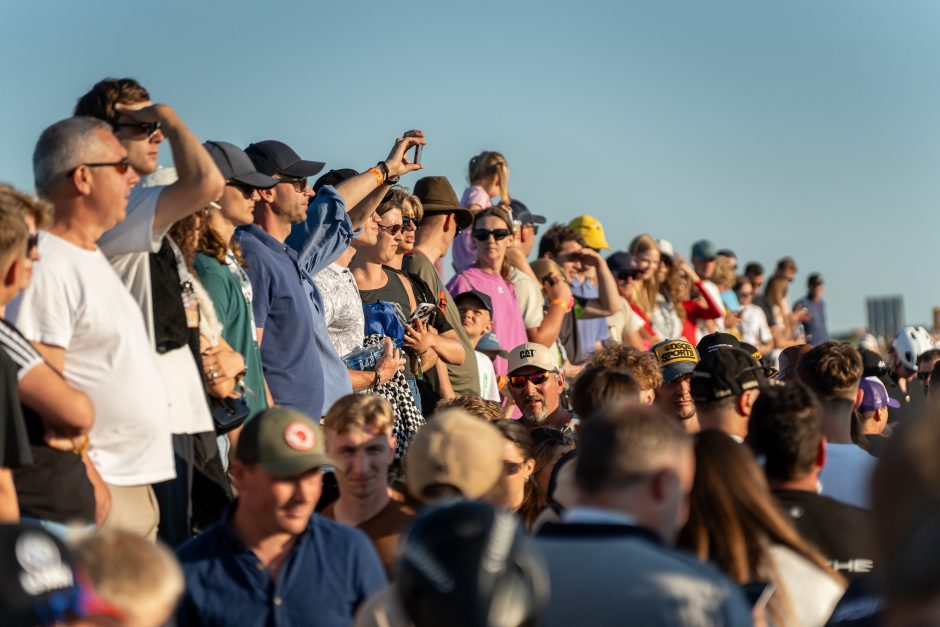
(674, 395)
(359, 439)
(535, 385)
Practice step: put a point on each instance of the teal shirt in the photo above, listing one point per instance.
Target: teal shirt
(234, 313)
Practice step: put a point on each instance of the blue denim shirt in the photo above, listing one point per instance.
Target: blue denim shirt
(288, 307)
(329, 572)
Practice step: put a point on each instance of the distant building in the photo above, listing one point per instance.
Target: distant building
(885, 315)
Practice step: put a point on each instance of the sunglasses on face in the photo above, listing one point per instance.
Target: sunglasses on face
(391, 229)
(537, 378)
(482, 235)
(512, 468)
(121, 166)
(139, 128)
(246, 191)
(299, 185)
(409, 224)
(32, 243)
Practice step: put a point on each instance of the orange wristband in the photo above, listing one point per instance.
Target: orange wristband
(379, 178)
(567, 306)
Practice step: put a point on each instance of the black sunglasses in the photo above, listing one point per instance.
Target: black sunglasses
(32, 243)
(121, 166)
(481, 235)
(246, 190)
(299, 184)
(409, 224)
(140, 128)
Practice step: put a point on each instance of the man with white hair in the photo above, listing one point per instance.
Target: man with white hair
(77, 311)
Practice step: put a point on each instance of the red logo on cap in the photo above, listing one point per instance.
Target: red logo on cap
(300, 437)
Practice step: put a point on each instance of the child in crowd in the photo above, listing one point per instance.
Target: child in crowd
(476, 315)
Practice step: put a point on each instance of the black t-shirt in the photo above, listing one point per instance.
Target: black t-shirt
(761, 301)
(913, 403)
(840, 531)
(169, 317)
(14, 446)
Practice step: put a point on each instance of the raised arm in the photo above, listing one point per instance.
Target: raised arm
(200, 181)
(607, 293)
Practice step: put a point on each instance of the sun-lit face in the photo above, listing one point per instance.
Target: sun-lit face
(290, 203)
(538, 396)
(475, 319)
(516, 472)
(110, 188)
(143, 149)
(569, 258)
(675, 398)
(496, 236)
(238, 203)
(390, 234)
(362, 460)
(277, 505)
(647, 263)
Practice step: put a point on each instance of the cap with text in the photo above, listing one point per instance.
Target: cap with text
(531, 354)
(283, 441)
(677, 358)
(725, 373)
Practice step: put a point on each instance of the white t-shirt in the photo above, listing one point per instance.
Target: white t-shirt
(530, 298)
(847, 474)
(754, 328)
(76, 301)
(128, 246)
(624, 321)
(489, 387)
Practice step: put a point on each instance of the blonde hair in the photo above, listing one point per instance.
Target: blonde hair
(368, 412)
(26, 205)
(13, 234)
(140, 579)
(724, 276)
(477, 406)
(411, 207)
(643, 293)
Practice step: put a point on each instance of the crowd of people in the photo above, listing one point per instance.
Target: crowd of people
(242, 391)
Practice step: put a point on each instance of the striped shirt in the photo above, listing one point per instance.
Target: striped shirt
(19, 349)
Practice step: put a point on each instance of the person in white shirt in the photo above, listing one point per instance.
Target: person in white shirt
(754, 328)
(84, 322)
(476, 316)
(833, 372)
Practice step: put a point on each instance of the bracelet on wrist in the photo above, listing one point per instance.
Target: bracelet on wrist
(387, 174)
(562, 303)
(379, 177)
(377, 381)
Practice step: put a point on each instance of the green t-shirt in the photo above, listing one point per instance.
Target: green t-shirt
(234, 312)
(465, 379)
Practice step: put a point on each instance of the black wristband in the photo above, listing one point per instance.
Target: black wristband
(386, 174)
(378, 379)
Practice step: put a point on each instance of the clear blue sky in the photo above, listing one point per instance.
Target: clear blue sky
(803, 127)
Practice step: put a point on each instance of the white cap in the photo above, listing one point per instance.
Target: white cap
(665, 248)
(531, 354)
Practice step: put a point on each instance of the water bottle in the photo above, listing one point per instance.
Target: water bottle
(364, 358)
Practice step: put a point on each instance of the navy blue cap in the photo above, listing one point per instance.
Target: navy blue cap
(704, 249)
(236, 166)
(273, 157)
(480, 296)
(522, 215)
(621, 263)
(716, 341)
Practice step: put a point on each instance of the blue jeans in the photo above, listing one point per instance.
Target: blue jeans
(414, 392)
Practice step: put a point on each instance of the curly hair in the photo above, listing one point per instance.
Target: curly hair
(490, 411)
(212, 244)
(832, 370)
(642, 366)
(553, 239)
(100, 100)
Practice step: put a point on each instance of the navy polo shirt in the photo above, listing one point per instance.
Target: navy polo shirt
(301, 366)
(329, 572)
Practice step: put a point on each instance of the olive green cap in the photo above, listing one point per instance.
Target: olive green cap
(283, 441)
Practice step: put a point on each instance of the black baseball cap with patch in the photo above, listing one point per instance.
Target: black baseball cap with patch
(477, 295)
(724, 373)
(716, 341)
(283, 441)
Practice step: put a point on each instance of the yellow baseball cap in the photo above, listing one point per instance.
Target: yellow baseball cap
(591, 230)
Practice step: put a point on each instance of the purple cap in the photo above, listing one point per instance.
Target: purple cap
(875, 395)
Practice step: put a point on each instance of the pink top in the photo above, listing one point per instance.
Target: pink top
(507, 318)
(463, 251)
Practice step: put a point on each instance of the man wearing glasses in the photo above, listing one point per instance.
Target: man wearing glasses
(77, 310)
(141, 253)
(301, 365)
(535, 385)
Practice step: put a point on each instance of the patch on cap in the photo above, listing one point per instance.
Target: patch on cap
(42, 564)
(300, 437)
(669, 353)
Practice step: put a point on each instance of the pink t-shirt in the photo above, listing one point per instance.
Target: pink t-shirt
(507, 318)
(463, 251)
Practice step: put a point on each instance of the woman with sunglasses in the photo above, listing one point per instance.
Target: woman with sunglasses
(492, 234)
(425, 339)
(517, 490)
(220, 267)
(411, 214)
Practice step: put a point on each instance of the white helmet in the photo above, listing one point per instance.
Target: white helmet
(909, 344)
